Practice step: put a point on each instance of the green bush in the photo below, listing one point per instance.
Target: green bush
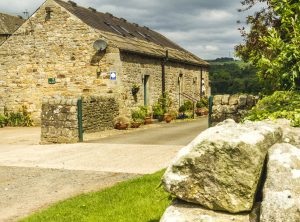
(138, 114)
(21, 118)
(157, 110)
(182, 109)
(3, 121)
(144, 110)
(282, 104)
(165, 102)
(203, 103)
(188, 105)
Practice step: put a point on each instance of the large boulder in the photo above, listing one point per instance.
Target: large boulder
(281, 193)
(221, 168)
(186, 212)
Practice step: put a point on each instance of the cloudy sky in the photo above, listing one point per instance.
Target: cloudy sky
(207, 28)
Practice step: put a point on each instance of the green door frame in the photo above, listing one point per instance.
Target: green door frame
(146, 89)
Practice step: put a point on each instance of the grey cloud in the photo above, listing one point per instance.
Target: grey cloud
(205, 27)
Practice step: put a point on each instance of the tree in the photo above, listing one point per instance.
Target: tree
(272, 44)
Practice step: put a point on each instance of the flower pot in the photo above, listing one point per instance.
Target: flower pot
(168, 118)
(135, 124)
(148, 120)
(198, 112)
(120, 126)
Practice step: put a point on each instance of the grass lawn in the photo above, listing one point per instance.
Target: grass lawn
(137, 200)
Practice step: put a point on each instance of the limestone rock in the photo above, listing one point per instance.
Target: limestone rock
(186, 212)
(281, 194)
(221, 168)
(225, 99)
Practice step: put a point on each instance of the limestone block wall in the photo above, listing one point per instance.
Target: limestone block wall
(135, 67)
(59, 123)
(61, 48)
(231, 107)
(98, 113)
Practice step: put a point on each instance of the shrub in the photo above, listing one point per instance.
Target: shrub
(188, 105)
(21, 118)
(282, 104)
(165, 102)
(202, 103)
(182, 109)
(3, 121)
(157, 110)
(144, 110)
(137, 114)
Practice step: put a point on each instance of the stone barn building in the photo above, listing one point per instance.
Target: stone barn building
(8, 25)
(55, 53)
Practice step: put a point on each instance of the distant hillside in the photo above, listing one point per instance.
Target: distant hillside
(229, 76)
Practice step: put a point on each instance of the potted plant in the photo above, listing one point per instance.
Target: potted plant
(182, 110)
(135, 89)
(171, 115)
(137, 118)
(146, 114)
(168, 118)
(198, 108)
(121, 123)
(201, 106)
(158, 112)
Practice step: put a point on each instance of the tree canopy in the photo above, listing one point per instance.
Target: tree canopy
(233, 77)
(272, 44)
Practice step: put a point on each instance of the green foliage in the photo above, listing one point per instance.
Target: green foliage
(138, 114)
(188, 105)
(3, 121)
(232, 78)
(157, 110)
(21, 118)
(272, 45)
(203, 103)
(162, 106)
(182, 109)
(137, 200)
(282, 104)
(144, 111)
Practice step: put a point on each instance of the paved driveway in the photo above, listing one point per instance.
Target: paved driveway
(179, 134)
(34, 176)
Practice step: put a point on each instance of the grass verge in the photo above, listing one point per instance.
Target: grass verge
(136, 200)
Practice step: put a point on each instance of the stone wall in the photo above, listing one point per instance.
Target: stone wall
(98, 113)
(237, 172)
(135, 67)
(231, 107)
(59, 123)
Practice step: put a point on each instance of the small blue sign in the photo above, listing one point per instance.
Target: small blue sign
(113, 75)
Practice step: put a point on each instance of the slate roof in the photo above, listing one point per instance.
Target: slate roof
(130, 36)
(9, 24)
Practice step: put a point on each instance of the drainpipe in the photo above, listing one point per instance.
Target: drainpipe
(163, 75)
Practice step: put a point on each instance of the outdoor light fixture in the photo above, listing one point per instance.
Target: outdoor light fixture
(48, 13)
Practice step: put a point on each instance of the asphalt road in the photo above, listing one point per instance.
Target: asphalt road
(180, 133)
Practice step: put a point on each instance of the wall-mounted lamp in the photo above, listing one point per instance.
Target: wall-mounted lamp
(48, 13)
(180, 77)
(195, 80)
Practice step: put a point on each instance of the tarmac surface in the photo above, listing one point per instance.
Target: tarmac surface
(33, 176)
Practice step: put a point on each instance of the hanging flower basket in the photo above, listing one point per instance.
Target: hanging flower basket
(135, 89)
